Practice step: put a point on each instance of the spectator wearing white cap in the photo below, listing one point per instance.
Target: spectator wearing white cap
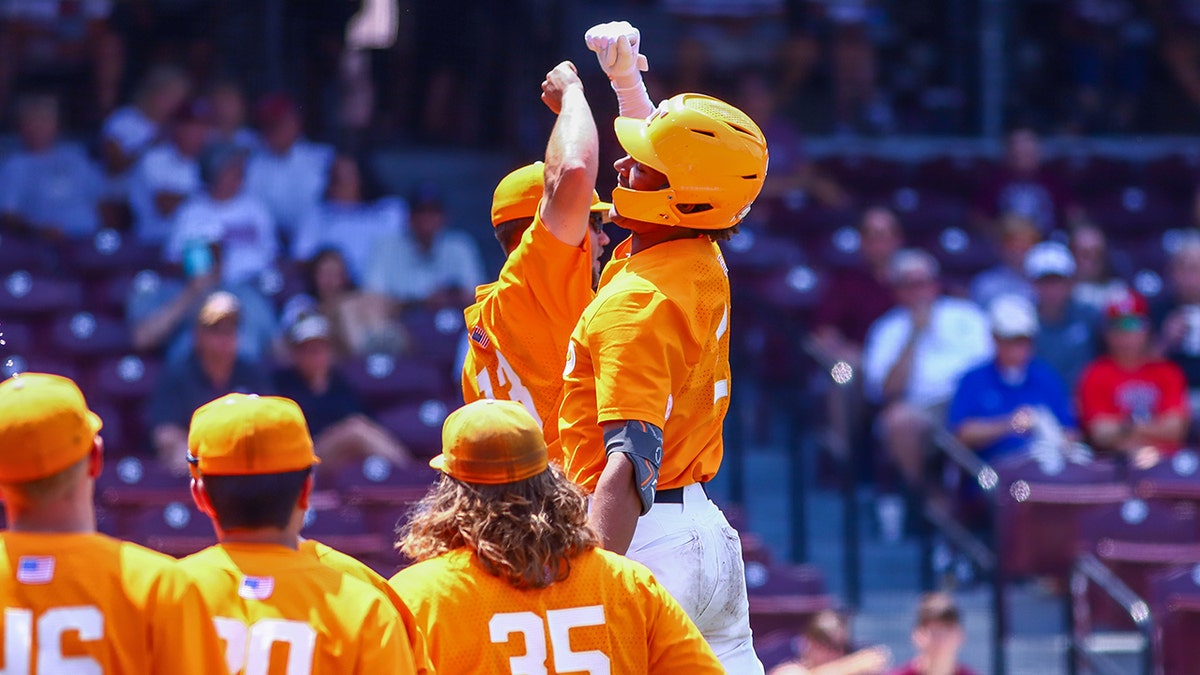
(336, 416)
(996, 405)
(912, 361)
(1069, 335)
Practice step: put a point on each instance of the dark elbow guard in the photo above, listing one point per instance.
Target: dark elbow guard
(642, 443)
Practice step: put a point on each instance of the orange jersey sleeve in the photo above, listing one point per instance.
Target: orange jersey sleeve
(653, 346)
(90, 603)
(334, 558)
(280, 611)
(608, 616)
(519, 325)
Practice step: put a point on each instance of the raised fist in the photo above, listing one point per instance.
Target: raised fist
(616, 44)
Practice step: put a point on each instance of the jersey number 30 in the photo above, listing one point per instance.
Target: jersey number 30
(248, 648)
(558, 625)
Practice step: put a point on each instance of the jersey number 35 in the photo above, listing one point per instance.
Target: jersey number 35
(558, 625)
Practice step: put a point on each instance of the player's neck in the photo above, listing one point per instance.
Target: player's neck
(64, 516)
(266, 535)
(653, 235)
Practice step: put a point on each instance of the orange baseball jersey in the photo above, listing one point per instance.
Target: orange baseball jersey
(653, 346)
(609, 616)
(520, 324)
(331, 557)
(88, 603)
(280, 611)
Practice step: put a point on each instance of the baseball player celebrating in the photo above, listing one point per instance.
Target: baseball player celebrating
(647, 378)
(277, 609)
(510, 580)
(76, 601)
(550, 222)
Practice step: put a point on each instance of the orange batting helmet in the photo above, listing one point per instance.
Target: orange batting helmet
(713, 155)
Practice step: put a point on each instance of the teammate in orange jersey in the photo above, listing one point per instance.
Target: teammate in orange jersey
(74, 600)
(647, 379)
(277, 609)
(510, 578)
(550, 222)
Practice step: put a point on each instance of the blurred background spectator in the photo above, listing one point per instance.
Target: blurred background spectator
(342, 432)
(287, 173)
(938, 637)
(131, 129)
(1131, 402)
(826, 649)
(1017, 235)
(1068, 332)
(168, 174)
(997, 403)
(227, 219)
(912, 361)
(1176, 314)
(48, 187)
(1096, 280)
(228, 105)
(428, 263)
(1025, 187)
(211, 370)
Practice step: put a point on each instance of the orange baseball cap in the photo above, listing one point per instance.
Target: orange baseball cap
(45, 426)
(491, 442)
(517, 194)
(244, 434)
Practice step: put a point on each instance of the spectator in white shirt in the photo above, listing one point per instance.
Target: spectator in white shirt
(289, 173)
(132, 129)
(428, 263)
(345, 222)
(169, 174)
(47, 187)
(227, 216)
(915, 355)
(229, 117)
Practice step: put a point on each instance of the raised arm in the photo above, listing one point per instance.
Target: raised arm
(571, 156)
(618, 48)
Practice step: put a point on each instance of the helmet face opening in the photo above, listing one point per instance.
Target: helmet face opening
(713, 155)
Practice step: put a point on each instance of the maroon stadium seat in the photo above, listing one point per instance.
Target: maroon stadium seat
(417, 425)
(1177, 174)
(962, 175)
(382, 380)
(1087, 174)
(20, 253)
(1133, 210)
(1177, 478)
(1039, 508)
(130, 485)
(345, 528)
(436, 335)
(109, 251)
(128, 379)
(177, 529)
(870, 175)
(784, 597)
(1137, 539)
(1174, 600)
(23, 294)
(88, 335)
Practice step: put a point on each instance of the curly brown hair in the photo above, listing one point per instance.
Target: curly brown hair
(525, 532)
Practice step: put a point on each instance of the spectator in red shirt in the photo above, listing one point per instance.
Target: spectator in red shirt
(1024, 187)
(938, 636)
(1132, 402)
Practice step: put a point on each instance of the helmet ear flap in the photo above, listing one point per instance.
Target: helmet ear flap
(648, 207)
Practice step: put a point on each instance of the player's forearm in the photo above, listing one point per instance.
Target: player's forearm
(616, 505)
(572, 161)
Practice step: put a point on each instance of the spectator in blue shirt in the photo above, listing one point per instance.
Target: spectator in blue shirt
(996, 406)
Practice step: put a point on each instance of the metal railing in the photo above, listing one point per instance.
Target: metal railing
(1089, 570)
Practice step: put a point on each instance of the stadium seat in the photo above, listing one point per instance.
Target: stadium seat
(417, 425)
(784, 597)
(176, 528)
(959, 175)
(1136, 539)
(383, 491)
(1088, 174)
(84, 335)
(1174, 601)
(1177, 174)
(437, 336)
(752, 252)
(383, 380)
(23, 294)
(1136, 211)
(133, 484)
(110, 293)
(128, 379)
(38, 361)
(19, 253)
(1177, 478)
(16, 336)
(866, 175)
(1039, 508)
(109, 251)
(960, 253)
(345, 528)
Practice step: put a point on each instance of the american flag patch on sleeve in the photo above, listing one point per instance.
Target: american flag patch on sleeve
(480, 337)
(257, 588)
(35, 569)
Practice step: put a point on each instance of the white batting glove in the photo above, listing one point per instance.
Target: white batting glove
(616, 44)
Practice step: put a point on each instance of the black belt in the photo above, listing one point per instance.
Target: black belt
(674, 495)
